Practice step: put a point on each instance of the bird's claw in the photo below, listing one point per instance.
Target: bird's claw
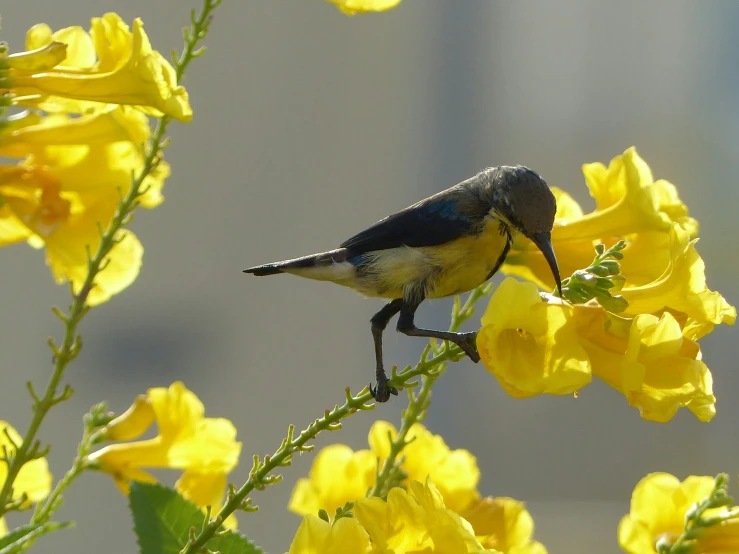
(469, 344)
(381, 393)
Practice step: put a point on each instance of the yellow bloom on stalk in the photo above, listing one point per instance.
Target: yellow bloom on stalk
(530, 345)
(351, 7)
(415, 522)
(651, 363)
(682, 289)
(316, 536)
(629, 204)
(504, 524)
(73, 71)
(648, 358)
(33, 480)
(662, 268)
(340, 475)
(204, 448)
(69, 185)
(658, 507)
(454, 472)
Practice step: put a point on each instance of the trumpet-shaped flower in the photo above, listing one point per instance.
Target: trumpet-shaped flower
(340, 475)
(415, 522)
(454, 472)
(33, 480)
(205, 449)
(503, 524)
(29, 132)
(530, 345)
(69, 186)
(351, 7)
(74, 71)
(650, 361)
(682, 288)
(629, 205)
(659, 504)
(648, 358)
(316, 536)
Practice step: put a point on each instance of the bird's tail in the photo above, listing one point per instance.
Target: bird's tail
(305, 266)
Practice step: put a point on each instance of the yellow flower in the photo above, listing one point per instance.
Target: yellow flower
(351, 7)
(504, 524)
(454, 472)
(629, 205)
(338, 475)
(658, 507)
(531, 345)
(205, 449)
(682, 288)
(650, 361)
(74, 71)
(33, 480)
(29, 132)
(415, 523)
(68, 187)
(536, 343)
(316, 536)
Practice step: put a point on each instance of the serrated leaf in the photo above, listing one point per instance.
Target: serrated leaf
(163, 518)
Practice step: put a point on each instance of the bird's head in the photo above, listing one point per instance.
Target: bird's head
(523, 200)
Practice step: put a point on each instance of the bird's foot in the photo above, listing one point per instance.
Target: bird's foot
(382, 392)
(468, 343)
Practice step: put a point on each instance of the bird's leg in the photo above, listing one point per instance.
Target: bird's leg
(466, 341)
(379, 321)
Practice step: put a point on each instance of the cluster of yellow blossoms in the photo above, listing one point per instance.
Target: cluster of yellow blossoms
(536, 343)
(204, 449)
(442, 510)
(660, 505)
(87, 96)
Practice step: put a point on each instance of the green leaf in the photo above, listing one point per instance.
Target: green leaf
(163, 519)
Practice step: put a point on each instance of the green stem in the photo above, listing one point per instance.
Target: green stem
(71, 345)
(45, 509)
(331, 421)
(26, 540)
(419, 403)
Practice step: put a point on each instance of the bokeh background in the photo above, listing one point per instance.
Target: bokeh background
(309, 126)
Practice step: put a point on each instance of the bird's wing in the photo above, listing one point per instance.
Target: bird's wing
(432, 221)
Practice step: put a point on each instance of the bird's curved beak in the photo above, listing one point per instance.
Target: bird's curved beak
(544, 242)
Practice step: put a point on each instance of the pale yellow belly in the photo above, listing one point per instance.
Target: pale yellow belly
(452, 268)
(466, 263)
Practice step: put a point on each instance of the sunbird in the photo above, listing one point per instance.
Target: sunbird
(444, 245)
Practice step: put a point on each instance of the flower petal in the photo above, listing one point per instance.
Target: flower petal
(529, 345)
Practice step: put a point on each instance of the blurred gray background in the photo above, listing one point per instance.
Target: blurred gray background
(309, 126)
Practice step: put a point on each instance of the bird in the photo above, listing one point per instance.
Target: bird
(443, 245)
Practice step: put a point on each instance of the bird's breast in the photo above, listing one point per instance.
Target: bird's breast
(442, 270)
(468, 261)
